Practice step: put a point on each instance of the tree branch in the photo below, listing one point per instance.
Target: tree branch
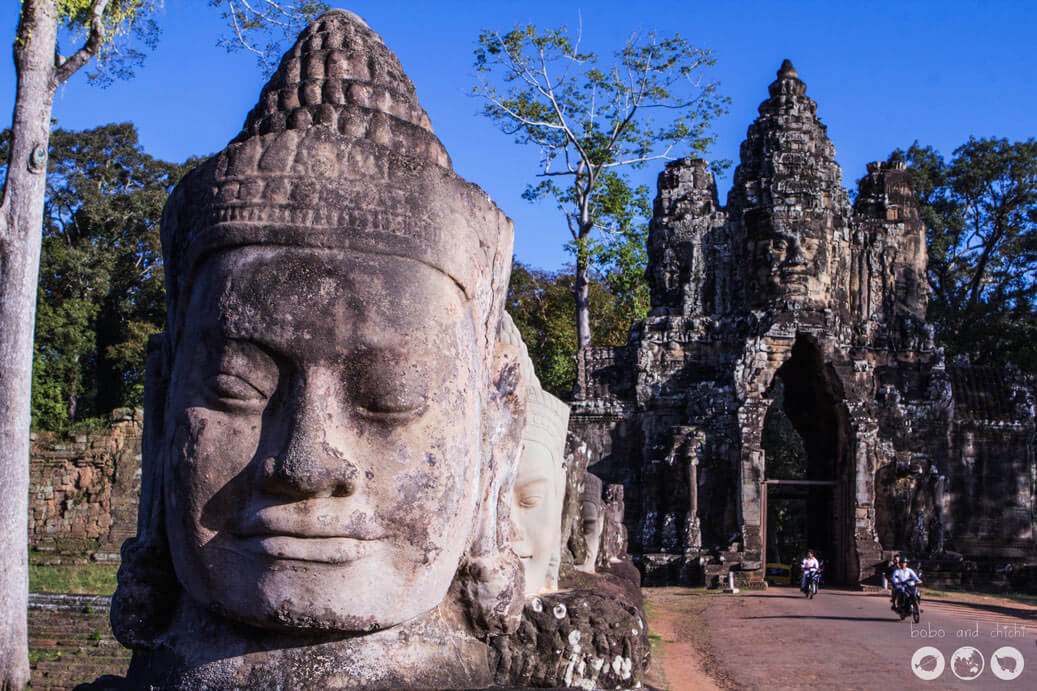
(66, 67)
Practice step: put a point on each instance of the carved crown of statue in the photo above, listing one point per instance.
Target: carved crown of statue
(328, 381)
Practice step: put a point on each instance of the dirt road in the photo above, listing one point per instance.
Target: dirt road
(777, 639)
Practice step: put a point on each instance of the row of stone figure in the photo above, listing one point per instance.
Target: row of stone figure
(591, 532)
(334, 421)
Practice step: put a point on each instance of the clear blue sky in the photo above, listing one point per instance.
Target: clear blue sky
(883, 74)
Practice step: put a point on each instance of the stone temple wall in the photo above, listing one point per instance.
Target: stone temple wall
(790, 303)
(84, 492)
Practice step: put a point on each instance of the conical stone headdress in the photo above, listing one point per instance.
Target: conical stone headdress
(337, 154)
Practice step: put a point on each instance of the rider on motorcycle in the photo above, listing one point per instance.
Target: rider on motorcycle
(810, 563)
(892, 589)
(903, 576)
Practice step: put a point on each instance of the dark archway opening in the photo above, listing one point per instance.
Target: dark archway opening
(805, 440)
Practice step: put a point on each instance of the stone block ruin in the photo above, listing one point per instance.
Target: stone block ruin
(84, 491)
(786, 368)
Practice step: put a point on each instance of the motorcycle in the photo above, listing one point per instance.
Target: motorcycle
(812, 583)
(908, 602)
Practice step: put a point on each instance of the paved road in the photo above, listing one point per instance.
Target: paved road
(851, 640)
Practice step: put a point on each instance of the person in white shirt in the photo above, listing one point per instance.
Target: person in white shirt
(892, 588)
(904, 575)
(810, 562)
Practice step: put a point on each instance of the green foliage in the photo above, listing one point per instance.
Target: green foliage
(101, 287)
(87, 579)
(541, 304)
(981, 213)
(261, 27)
(126, 26)
(592, 121)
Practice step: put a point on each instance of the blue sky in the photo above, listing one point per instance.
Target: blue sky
(883, 74)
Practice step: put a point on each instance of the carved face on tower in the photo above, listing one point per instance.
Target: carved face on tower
(334, 292)
(788, 265)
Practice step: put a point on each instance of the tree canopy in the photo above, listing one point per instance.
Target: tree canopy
(980, 209)
(592, 122)
(101, 288)
(540, 302)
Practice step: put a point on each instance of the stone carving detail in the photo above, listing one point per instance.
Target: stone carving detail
(592, 523)
(331, 429)
(580, 627)
(591, 638)
(540, 485)
(614, 533)
(789, 299)
(574, 543)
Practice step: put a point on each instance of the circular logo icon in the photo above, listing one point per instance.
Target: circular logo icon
(927, 663)
(967, 663)
(1006, 663)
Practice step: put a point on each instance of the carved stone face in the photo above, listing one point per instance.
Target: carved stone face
(536, 513)
(324, 444)
(592, 526)
(788, 265)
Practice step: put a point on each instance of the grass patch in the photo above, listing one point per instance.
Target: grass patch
(81, 579)
(655, 641)
(971, 595)
(43, 655)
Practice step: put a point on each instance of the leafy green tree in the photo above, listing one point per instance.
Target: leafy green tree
(113, 32)
(592, 122)
(540, 302)
(101, 290)
(981, 213)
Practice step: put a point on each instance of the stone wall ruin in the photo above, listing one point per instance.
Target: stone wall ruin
(787, 358)
(84, 490)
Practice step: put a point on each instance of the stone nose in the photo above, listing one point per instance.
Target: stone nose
(518, 534)
(314, 461)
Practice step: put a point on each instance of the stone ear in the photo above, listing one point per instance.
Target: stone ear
(148, 590)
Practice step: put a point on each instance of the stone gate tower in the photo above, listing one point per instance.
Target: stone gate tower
(786, 358)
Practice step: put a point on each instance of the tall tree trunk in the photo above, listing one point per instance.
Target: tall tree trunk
(21, 221)
(581, 290)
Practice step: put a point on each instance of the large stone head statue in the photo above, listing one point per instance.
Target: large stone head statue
(323, 449)
(539, 493)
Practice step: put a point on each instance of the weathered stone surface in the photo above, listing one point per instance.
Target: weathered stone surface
(583, 638)
(558, 509)
(788, 320)
(83, 496)
(613, 532)
(331, 425)
(592, 524)
(539, 494)
(574, 542)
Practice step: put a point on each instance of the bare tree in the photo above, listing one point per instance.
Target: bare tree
(589, 122)
(111, 30)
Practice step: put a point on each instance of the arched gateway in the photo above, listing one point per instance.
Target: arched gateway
(785, 367)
